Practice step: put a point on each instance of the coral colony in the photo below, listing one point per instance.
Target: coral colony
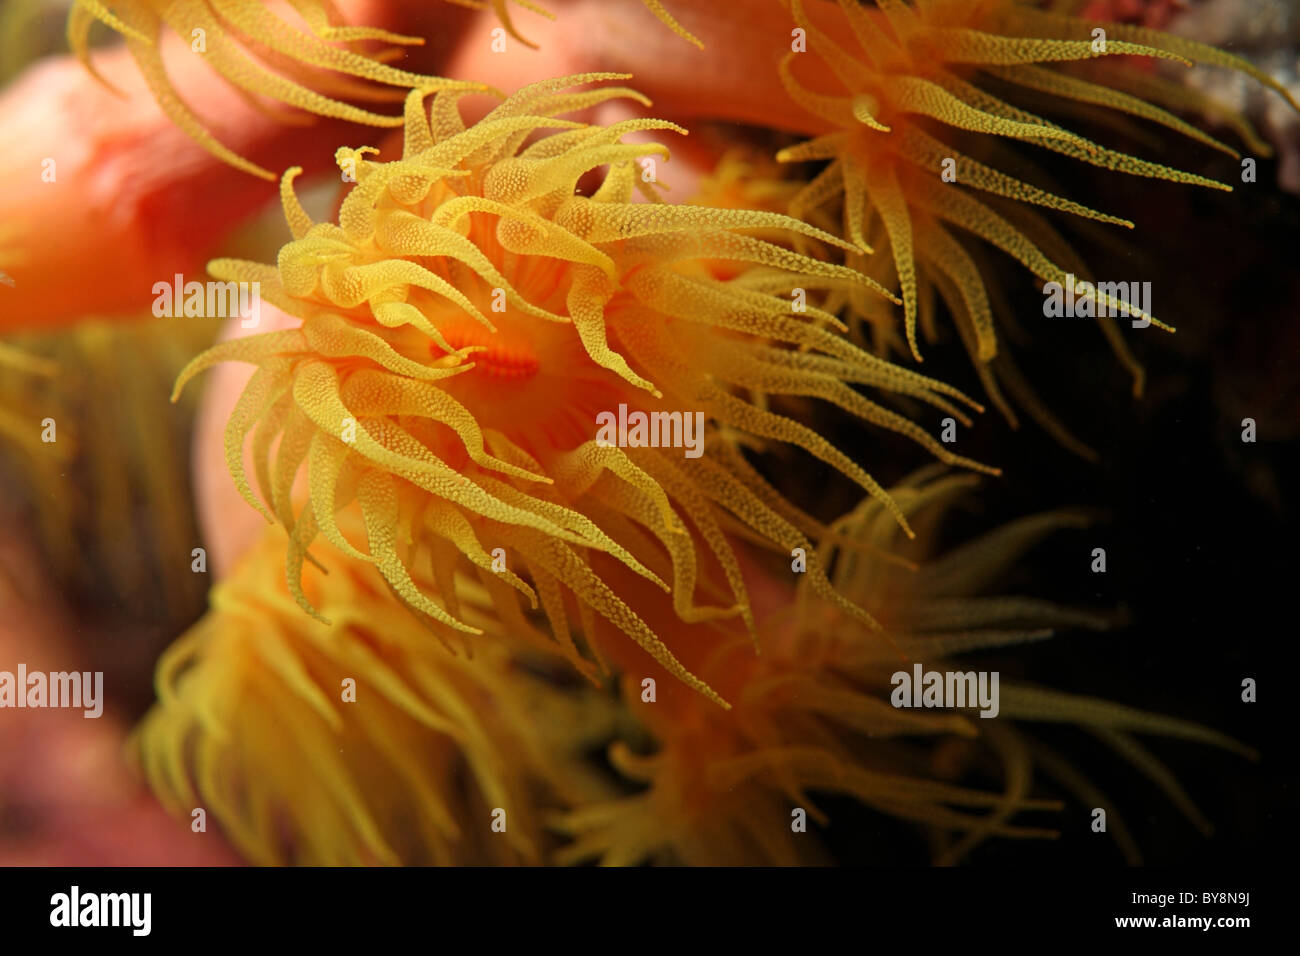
(543, 446)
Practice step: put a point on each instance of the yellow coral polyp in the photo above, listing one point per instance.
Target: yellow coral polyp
(469, 317)
(909, 73)
(239, 37)
(813, 716)
(309, 61)
(364, 742)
